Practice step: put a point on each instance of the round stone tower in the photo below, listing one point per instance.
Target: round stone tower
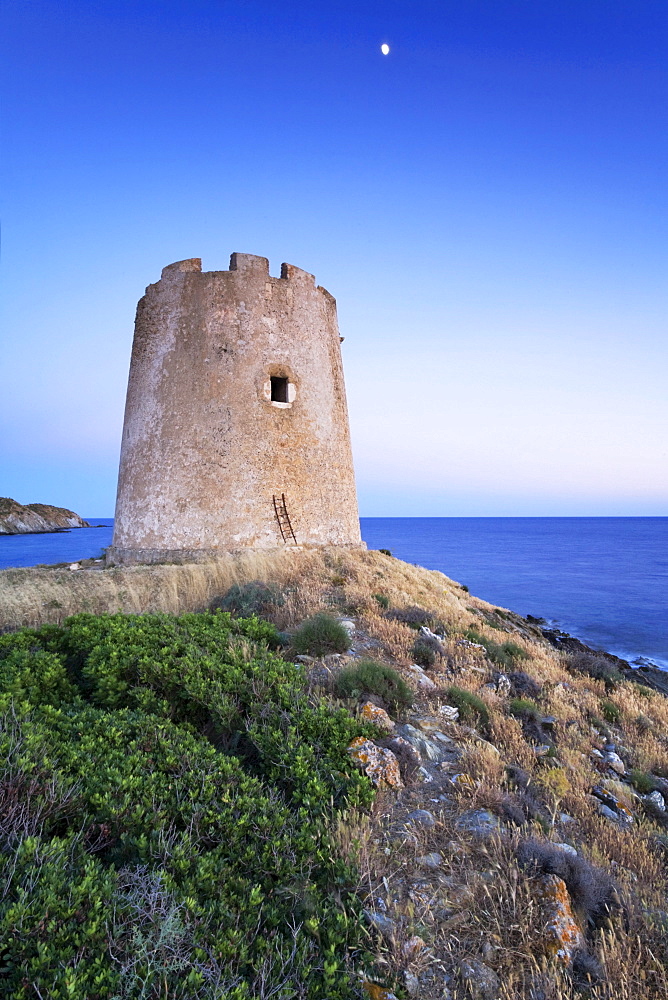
(236, 428)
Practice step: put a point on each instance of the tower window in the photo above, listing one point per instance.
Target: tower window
(279, 389)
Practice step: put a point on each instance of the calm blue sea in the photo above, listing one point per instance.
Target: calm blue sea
(603, 579)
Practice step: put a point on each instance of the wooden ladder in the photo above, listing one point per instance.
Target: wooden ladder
(283, 518)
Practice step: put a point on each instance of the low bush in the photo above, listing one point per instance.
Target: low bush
(472, 709)
(611, 712)
(503, 654)
(321, 635)
(523, 708)
(597, 667)
(591, 889)
(427, 649)
(523, 685)
(172, 794)
(246, 599)
(382, 600)
(425, 652)
(600, 725)
(372, 677)
(415, 617)
(642, 781)
(385, 552)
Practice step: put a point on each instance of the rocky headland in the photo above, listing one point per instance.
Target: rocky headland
(24, 519)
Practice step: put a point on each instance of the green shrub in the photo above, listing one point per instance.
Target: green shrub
(415, 617)
(472, 709)
(523, 708)
(385, 552)
(175, 792)
(597, 667)
(611, 713)
(246, 599)
(382, 600)
(504, 654)
(464, 588)
(369, 676)
(320, 635)
(600, 725)
(424, 652)
(642, 781)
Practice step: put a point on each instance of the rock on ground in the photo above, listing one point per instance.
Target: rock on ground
(380, 765)
(560, 934)
(482, 982)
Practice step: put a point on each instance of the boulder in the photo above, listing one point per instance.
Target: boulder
(432, 860)
(560, 933)
(609, 803)
(502, 685)
(379, 764)
(481, 982)
(463, 782)
(384, 925)
(422, 817)
(657, 800)
(372, 713)
(411, 983)
(614, 761)
(449, 712)
(479, 822)
(567, 848)
(428, 749)
(424, 683)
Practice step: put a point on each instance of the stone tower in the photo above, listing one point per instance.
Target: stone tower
(236, 428)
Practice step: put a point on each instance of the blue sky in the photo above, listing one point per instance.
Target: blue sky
(487, 203)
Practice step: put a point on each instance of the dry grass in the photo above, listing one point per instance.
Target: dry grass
(34, 596)
(310, 579)
(482, 905)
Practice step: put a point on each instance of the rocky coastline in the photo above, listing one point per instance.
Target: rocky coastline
(650, 676)
(36, 518)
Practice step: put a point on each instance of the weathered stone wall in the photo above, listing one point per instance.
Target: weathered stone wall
(205, 449)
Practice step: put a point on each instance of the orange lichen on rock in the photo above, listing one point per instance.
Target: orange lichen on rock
(380, 765)
(561, 934)
(372, 713)
(377, 992)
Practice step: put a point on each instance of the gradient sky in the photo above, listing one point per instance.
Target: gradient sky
(487, 204)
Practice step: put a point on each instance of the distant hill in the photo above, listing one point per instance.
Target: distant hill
(19, 519)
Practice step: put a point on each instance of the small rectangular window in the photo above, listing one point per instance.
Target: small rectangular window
(279, 389)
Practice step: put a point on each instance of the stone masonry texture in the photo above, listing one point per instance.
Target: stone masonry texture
(235, 396)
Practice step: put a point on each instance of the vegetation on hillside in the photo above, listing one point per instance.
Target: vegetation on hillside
(169, 795)
(527, 771)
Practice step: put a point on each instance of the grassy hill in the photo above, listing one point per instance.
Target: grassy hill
(183, 817)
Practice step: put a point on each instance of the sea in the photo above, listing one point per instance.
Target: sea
(602, 579)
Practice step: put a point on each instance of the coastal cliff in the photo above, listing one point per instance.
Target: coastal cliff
(20, 519)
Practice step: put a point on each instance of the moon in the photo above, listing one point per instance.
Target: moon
(385, 49)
